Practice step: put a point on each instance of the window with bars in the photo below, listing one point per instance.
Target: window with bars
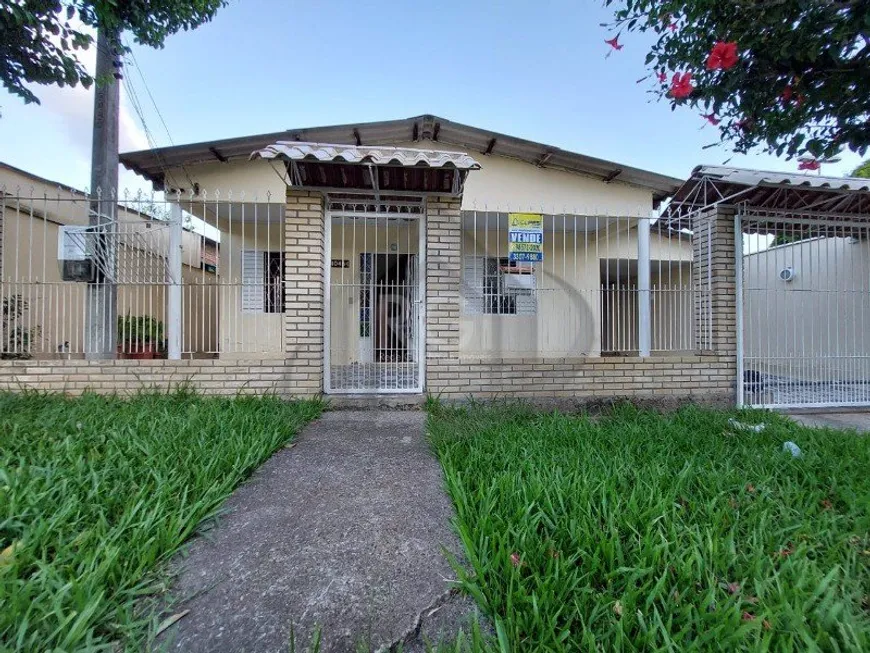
(262, 281)
(497, 286)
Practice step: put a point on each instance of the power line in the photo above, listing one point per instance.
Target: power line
(137, 107)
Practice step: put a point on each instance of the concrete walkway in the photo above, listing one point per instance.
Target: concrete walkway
(860, 421)
(345, 530)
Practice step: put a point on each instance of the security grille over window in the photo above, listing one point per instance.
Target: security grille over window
(499, 286)
(581, 296)
(262, 281)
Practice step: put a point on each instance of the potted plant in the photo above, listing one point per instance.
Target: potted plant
(17, 339)
(140, 337)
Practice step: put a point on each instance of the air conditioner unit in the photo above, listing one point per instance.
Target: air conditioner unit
(787, 274)
(72, 254)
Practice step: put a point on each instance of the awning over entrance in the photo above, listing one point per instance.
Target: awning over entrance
(372, 168)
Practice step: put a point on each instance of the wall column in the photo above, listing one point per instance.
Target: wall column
(443, 278)
(714, 275)
(303, 292)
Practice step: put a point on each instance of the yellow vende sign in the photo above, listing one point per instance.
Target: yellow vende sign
(526, 237)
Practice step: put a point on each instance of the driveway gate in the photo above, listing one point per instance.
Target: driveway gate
(804, 305)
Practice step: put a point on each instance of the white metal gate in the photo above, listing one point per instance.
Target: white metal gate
(803, 310)
(374, 294)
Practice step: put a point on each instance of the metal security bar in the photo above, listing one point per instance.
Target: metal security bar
(374, 298)
(582, 299)
(231, 285)
(805, 310)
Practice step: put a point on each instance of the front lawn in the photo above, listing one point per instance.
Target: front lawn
(644, 532)
(97, 492)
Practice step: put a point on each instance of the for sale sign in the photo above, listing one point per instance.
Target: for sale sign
(526, 237)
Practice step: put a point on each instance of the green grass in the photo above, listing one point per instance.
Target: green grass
(96, 493)
(647, 532)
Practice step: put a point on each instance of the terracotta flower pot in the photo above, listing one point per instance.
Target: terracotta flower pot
(139, 351)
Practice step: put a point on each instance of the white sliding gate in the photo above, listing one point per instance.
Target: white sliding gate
(804, 291)
(375, 258)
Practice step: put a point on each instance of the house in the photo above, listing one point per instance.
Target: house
(426, 256)
(35, 213)
(372, 193)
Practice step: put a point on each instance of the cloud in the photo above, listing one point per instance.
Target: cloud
(72, 109)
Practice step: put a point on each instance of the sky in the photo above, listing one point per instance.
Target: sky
(536, 70)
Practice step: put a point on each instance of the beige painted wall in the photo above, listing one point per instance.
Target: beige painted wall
(575, 315)
(248, 181)
(500, 184)
(569, 312)
(817, 326)
(243, 332)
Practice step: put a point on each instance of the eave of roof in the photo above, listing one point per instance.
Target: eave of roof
(152, 164)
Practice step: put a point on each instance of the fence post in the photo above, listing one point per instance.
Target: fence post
(738, 286)
(174, 278)
(644, 328)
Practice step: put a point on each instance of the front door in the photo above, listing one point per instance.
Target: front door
(374, 296)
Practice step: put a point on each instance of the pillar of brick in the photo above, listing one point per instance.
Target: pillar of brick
(714, 275)
(303, 292)
(443, 278)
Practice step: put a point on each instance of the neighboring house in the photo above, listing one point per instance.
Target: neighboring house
(34, 211)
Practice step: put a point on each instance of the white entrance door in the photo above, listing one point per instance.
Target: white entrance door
(374, 295)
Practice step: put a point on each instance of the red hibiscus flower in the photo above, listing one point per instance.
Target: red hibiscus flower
(614, 43)
(787, 93)
(711, 118)
(662, 76)
(809, 164)
(681, 86)
(723, 56)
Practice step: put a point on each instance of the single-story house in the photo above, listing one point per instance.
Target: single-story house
(427, 256)
(368, 192)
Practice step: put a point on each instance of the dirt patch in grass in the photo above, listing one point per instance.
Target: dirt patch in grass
(642, 530)
(97, 492)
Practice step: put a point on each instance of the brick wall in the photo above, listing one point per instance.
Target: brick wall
(443, 278)
(213, 377)
(707, 376)
(303, 291)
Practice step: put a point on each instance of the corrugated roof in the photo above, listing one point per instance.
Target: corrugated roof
(749, 177)
(784, 192)
(378, 155)
(153, 164)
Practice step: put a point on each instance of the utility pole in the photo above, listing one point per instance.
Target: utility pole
(101, 304)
